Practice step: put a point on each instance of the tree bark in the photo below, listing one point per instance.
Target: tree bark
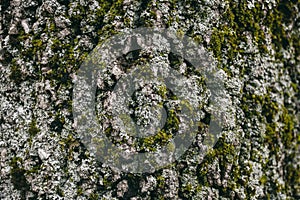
(256, 48)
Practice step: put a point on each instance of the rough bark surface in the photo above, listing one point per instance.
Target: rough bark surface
(257, 48)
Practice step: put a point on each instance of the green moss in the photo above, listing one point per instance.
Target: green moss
(160, 181)
(108, 130)
(33, 129)
(180, 33)
(198, 39)
(94, 196)
(56, 44)
(288, 130)
(163, 136)
(79, 191)
(116, 8)
(152, 142)
(189, 187)
(172, 123)
(217, 38)
(162, 91)
(52, 27)
(295, 87)
(280, 129)
(153, 14)
(263, 179)
(239, 21)
(37, 43)
(107, 183)
(127, 21)
(68, 144)
(170, 147)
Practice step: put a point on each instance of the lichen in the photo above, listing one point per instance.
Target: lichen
(274, 123)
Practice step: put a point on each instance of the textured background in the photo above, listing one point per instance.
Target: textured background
(256, 44)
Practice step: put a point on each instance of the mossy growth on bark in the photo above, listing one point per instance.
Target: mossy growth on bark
(238, 25)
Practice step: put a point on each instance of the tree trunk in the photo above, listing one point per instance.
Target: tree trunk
(255, 45)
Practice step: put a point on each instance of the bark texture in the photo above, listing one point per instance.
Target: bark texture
(257, 48)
